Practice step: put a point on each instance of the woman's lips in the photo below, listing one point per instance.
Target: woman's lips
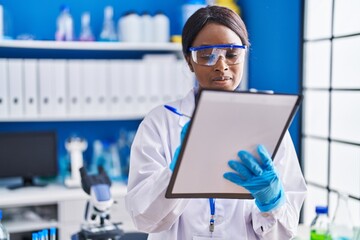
(222, 78)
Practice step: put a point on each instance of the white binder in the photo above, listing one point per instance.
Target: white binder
(185, 79)
(31, 101)
(153, 77)
(60, 87)
(100, 83)
(16, 95)
(4, 86)
(75, 88)
(115, 88)
(88, 77)
(46, 87)
(129, 86)
(141, 94)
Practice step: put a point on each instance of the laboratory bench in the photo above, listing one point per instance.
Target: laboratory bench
(31, 209)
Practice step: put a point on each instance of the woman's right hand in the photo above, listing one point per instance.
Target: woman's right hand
(177, 151)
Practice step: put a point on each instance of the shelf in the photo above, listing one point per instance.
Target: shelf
(72, 118)
(28, 226)
(52, 193)
(98, 46)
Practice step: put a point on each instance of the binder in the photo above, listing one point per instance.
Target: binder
(46, 88)
(100, 83)
(163, 78)
(141, 95)
(185, 79)
(115, 88)
(129, 87)
(4, 89)
(15, 77)
(153, 73)
(88, 86)
(31, 96)
(75, 88)
(60, 87)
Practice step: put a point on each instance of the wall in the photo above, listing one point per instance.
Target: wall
(38, 17)
(275, 31)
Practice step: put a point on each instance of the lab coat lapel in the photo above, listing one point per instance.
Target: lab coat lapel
(187, 106)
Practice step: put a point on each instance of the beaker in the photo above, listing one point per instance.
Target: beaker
(342, 225)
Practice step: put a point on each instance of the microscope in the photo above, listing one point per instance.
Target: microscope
(97, 224)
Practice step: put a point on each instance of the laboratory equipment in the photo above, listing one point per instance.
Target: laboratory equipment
(147, 27)
(190, 7)
(86, 33)
(97, 213)
(108, 33)
(320, 226)
(28, 155)
(129, 27)
(75, 146)
(341, 224)
(4, 234)
(161, 28)
(106, 155)
(65, 25)
(52, 233)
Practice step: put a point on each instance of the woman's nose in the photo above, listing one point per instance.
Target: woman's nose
(221, 64)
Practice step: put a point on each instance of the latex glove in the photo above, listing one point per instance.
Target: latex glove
(177, 151)
(259, 178)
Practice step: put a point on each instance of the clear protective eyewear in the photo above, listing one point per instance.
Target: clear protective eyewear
(209, 55)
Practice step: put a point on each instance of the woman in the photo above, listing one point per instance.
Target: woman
(214, 43)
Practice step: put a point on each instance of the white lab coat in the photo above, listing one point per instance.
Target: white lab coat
(153, 148)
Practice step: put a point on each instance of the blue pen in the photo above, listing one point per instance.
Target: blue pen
(174, 110)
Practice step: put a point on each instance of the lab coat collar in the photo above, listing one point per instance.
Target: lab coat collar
(187, 106)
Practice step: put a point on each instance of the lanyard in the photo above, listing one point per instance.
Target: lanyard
(212, 214)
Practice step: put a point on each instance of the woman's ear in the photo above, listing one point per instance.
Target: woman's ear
(188, 61)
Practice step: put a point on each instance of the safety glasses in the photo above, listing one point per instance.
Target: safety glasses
(209, 55)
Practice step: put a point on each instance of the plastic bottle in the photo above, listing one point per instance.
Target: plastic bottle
(64, 25)
(161, 28)
(147, 27)
(4, 235)
(190, 7)
(320, 226)
(86, 33)
(130, 27)
(341, 224)
(108, 33)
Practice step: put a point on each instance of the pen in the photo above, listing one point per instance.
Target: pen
(174, 110)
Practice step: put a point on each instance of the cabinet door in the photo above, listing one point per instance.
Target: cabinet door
(71, 215)
(119, 214)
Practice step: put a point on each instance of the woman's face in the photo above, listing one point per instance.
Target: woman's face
(220, 76)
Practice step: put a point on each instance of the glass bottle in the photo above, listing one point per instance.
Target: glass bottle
(86, 33)
(108, 33)
(320, 226)
(341, 224)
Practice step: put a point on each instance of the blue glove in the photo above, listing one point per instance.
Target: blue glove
(259, 178)
(177, 151)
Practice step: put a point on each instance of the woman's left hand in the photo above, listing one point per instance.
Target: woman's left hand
(259, 177)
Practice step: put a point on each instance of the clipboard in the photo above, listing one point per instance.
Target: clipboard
(223, 123)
